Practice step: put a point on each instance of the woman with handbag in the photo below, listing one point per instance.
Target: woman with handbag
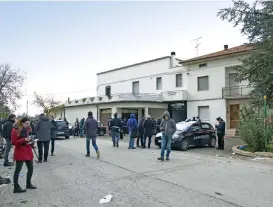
(132, 128)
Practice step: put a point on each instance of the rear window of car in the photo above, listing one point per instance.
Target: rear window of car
(206, 126)
(61, 123)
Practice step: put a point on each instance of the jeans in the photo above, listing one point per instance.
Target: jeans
(52, 145)
(43, 146)
(140, 138)
(149, 140)
(18, 168)
(7, 150)
(93, 143)
(166, 141)
(131, 141)
(81, 131)
(115, 136)
(221, 141)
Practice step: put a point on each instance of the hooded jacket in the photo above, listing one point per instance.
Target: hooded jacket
(115, 124)
(91, 126)
(148, 126)
(43, 127)
(168, 127)
(132, 122)
(7, 128)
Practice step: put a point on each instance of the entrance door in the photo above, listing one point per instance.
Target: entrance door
(234, 115)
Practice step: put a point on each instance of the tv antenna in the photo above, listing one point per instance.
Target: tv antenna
(197, 44)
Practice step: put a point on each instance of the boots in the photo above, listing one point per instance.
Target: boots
(30, 186)
(160, 158)
(18, 189)
(117, 144)
(114, 144)
(167, 158)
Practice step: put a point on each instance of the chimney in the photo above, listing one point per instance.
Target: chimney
(225, 47)
(173, 61)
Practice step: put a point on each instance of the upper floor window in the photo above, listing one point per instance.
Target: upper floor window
(159, 83)
(178, 80)
(108, 90)
(135, 87)
(203, 65)
(203, 83)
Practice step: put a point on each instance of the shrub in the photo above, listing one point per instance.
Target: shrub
(252, 130)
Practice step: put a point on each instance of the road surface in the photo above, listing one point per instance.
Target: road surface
(136, 179)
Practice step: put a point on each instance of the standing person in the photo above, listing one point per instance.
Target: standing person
(148, 126)
(53, 134)
(115, 126)
(221, 128)
(82, 127)
(109, 129)
(168, 128)
(132, 128)
(125, 129)
(22, 154)
(140, 132)
(66, 122)
(7, 129)
(43, 127)
(91, 126)
(77, 128)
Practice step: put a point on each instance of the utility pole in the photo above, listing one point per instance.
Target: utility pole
(197, 44)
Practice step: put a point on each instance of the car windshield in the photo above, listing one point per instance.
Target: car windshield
(61, 123)
(183, 126)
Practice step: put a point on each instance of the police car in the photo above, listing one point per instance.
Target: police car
(190, 134)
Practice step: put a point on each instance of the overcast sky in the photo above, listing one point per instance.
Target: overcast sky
(62, 45)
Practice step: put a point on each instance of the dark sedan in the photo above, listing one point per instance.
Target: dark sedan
(190, 134)
(62, 129)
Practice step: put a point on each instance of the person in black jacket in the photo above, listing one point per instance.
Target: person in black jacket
(140, 132)
(115, 126)
(220, 128)
(148, 126)
(7, 129)
(53, 134)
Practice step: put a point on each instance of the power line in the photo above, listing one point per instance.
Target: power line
(67, 92)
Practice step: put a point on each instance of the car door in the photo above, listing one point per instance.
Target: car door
(205, 133)
(196, 134)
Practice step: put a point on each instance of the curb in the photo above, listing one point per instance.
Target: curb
(251, 154)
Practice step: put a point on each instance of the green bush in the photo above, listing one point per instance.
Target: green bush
(252, 130)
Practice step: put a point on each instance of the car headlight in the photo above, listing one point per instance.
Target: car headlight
(175, 136)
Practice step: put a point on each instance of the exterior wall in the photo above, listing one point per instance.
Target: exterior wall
(156, 113)
(71, 113)
(121, 80)
(216, 108)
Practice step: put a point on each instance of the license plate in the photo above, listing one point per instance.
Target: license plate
(159, 141)
(60, 132)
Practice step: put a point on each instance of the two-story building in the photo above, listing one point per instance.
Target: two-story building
(202, 86)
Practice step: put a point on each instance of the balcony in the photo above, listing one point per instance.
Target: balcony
(238, 92)
(174, 95)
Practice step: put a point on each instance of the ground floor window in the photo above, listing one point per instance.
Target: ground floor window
(204, 113)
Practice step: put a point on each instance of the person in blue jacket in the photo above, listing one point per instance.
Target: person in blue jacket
(221, 128)
(132, 128)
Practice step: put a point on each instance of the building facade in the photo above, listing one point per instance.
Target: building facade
(202, 86)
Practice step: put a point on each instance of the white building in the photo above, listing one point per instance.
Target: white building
(201, 86)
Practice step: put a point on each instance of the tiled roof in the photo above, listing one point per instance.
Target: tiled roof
(227, 52)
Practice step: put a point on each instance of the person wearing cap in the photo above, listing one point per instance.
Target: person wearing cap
(7, 129)
(221, 127)
(148, 126)
(115, 126)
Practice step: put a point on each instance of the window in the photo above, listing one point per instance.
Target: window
(135, 86)
(203, 113)
(203, 83)
(159, 83)
(195, 128)
(206, 126)
(108, 90)
(203, 65)
(178, 80)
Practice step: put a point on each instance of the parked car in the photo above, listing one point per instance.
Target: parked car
(62, 129)
(190, 134)
(101, 131)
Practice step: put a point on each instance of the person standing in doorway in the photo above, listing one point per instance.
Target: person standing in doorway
(140, 132)
(91, 126)
(7, 129)
(115, 127)
(22, 154)
(148, 126)
(168, 128)
(221, 128)
(82, 127)
(132, 128)
(53, 134)
(43, 127)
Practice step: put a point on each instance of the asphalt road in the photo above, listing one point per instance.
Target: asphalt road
(136, 179)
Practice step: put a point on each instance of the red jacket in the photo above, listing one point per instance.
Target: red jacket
(22, 150)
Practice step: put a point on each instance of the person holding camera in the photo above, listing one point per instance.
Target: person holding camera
(22, 153)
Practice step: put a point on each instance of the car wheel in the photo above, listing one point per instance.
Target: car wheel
(212, 142)
(67, 137)
(101, 133)
(184, 145)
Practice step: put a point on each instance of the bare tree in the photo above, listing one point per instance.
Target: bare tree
(11, 82)
(47, 103)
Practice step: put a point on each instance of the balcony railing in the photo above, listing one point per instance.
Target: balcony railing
(236, 92)
(175, 95)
